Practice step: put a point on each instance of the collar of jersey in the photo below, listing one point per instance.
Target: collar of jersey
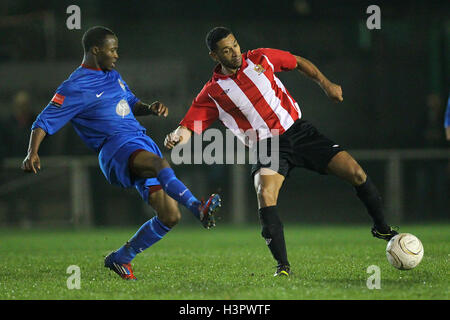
(90, 68)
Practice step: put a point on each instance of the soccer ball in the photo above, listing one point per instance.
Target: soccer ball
(404, 251)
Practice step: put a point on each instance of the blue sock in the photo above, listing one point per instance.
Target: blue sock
(178, 191)
(149, 233)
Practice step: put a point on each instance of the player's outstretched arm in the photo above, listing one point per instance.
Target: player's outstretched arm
(179, 135)
(32, 163)
(332, 90)
(156, 108)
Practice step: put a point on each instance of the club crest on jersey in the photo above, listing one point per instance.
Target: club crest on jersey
(121, 84)
(259, 68)
(122, 108)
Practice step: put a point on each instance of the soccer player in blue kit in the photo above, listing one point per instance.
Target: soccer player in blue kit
(102, 110)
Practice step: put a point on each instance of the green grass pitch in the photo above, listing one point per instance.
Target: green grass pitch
(328, 262)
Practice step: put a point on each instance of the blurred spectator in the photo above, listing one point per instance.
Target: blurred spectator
(432, 193)
(14, 136)
(16, 126)
(433, 128)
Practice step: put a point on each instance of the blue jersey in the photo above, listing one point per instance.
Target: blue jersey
(98, 104)
(100, 107)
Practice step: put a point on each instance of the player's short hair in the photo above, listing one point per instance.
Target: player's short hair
(95, 36)
(215, 35)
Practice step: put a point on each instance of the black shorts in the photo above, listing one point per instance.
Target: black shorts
(302, 145)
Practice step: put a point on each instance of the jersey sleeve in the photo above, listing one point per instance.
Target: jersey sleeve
(279, 60)
(131, 98)
(67, 102)
(202, 113)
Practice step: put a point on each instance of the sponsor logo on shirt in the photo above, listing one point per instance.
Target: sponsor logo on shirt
(57, 100)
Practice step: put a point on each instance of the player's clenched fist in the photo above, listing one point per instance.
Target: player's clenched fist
(31, 163)
(159, 109)
(171, 140)
(334, 92)
(180, 135)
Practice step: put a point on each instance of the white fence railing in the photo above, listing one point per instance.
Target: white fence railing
(81, 197)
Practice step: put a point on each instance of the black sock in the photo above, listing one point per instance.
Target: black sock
(369, 195)
(272, 232)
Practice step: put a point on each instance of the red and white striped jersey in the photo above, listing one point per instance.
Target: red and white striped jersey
(253, 100)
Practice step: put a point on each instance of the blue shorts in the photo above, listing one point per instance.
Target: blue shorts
(117, 171)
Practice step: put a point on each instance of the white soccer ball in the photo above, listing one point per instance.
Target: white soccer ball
(404, 251)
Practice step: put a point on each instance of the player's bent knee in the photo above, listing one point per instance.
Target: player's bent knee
(160, 163)
(147, 165)
(170, 218)
(267, 196)
(359, 176)
(166, 208)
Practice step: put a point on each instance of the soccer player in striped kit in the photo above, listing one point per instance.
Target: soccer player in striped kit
(245, 95)
(103, 110)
